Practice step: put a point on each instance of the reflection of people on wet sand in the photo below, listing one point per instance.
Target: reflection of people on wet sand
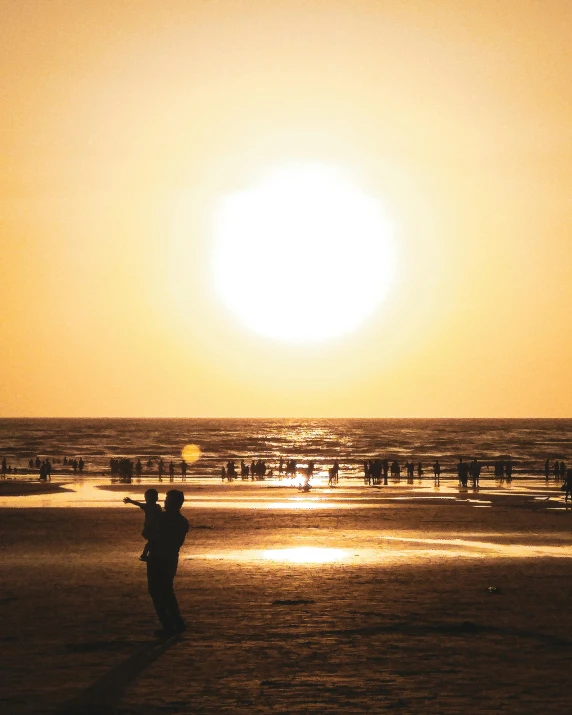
(167, 537)
(152, 510)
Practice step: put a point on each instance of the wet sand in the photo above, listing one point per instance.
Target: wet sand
(18, 488)
(350, 600)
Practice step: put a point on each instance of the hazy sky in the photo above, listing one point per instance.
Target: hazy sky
(123, 123)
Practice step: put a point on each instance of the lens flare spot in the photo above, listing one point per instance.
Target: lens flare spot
(191, 453)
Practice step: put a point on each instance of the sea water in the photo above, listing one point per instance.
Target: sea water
(528, 442)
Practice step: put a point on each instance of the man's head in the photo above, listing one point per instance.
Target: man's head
(174, 500)
(151, 496)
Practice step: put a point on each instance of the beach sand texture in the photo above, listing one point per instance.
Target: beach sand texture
(399, 618)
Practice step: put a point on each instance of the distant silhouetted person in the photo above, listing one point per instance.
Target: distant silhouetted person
(161, 469)
(151, 509)
(419, 470)
(230, 470)
(475, 472)
(331, 477)
(183, 471)
(4, 468)
(547, 469)
(81, 464)
(168, 535)
(508, 467)
(336, 468)
(410, 466)
(463, 473)
(138, 468)
(567, 486)
(385, 469)
(437, 473)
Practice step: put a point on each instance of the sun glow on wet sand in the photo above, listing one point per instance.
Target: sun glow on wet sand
(390, 550)
(305, 555)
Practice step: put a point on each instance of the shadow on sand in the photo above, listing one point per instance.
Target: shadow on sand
(102, 697)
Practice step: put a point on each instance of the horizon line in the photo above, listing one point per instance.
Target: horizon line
(272, 417)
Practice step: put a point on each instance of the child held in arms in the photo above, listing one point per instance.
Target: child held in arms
(152, 511)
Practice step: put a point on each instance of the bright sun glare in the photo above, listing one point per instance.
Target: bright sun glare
(304, 255)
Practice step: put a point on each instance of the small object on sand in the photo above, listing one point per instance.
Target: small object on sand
(494, 589)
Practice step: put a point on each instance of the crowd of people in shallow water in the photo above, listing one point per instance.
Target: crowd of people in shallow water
(44, 467)
(376, 472)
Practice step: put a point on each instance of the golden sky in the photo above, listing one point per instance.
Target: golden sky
(123, 122)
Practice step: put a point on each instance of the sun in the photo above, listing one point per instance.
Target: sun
(304, 255)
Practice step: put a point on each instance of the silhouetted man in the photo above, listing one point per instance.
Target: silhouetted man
(167, 537)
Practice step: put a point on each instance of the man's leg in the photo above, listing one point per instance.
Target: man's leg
(171, 603)
(156, 585)
(160, 577)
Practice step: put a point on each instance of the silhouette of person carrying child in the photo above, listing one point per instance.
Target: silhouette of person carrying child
(168, 533)
(152, 511)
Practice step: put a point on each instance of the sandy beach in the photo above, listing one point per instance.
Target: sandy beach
(345, 600)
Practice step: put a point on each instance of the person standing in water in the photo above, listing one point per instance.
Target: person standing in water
(168, 535)
(437, 473)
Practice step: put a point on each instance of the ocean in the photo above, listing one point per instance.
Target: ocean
(527, 441)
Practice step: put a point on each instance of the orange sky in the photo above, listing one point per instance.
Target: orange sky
(118, 117)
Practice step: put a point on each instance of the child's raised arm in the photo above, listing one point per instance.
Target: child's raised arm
(128, 500)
